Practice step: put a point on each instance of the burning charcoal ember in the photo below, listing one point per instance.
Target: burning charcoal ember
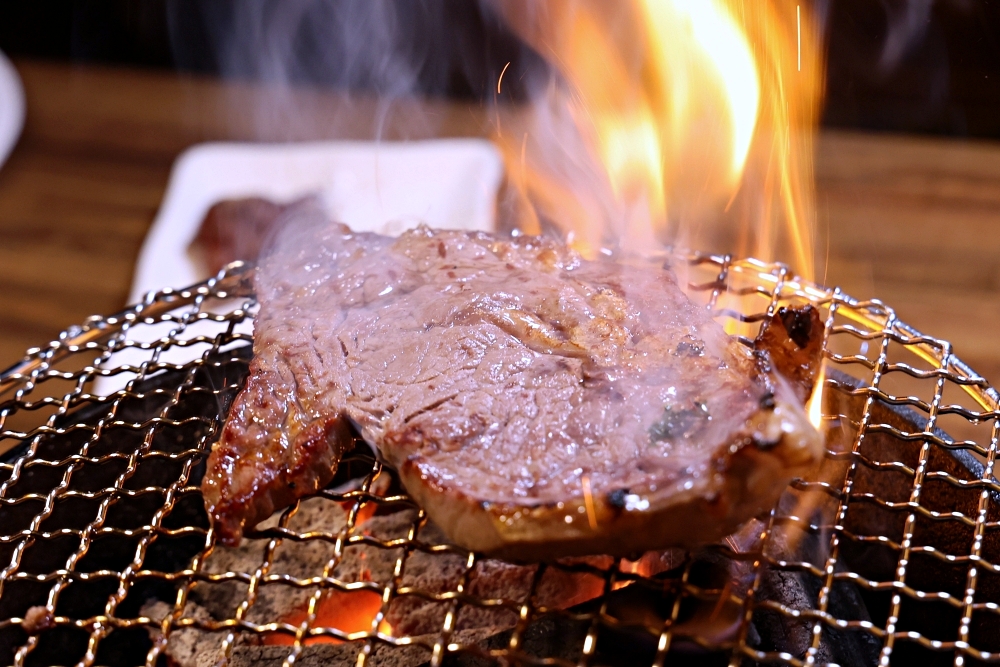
(794, 636)
(192, 647)
(330, 655)
(798, 589)
(335, 655)
(790, 635)
(296, 559)
(434, 572)
(561, 586)
(187, 647)
(547, 637)
(490, 579)
(304, 559)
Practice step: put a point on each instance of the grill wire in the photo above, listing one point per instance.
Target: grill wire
(893, 548)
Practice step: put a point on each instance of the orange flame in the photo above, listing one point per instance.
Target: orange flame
(671, 121)
(814, 406)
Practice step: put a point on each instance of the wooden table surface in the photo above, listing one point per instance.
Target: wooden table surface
(912, 221)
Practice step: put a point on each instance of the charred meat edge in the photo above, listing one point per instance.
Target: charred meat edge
(313, 453)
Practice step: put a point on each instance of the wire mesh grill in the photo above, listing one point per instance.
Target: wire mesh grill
(890, 555)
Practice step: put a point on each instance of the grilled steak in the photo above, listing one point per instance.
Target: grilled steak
(534, 403)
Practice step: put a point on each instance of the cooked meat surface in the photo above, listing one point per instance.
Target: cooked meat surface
(534, 403)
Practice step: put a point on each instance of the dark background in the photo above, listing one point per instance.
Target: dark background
(926, 66)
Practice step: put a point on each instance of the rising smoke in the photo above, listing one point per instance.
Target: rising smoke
(386, 51)
(389, 51)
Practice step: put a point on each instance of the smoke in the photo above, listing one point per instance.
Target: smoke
(379, 53)
(381, 46)
(383, 56)
(351, 45)
(907, 22)
(907, 25)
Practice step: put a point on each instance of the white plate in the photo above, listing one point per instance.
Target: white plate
(11, 107)
(382, 187)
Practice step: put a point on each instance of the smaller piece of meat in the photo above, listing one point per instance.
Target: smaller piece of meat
(237, 229)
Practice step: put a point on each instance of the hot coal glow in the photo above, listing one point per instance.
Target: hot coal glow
(347, 611)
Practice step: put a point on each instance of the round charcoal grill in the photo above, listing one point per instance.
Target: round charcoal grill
(107, 556)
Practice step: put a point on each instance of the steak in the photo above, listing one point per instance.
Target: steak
(534, 403)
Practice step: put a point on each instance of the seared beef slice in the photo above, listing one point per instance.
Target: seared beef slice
(536, 404)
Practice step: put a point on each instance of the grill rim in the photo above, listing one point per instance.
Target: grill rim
(234, 281)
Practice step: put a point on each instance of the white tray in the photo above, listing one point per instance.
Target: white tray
(382, 187)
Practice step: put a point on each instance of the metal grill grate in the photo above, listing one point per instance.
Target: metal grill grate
(106, 556)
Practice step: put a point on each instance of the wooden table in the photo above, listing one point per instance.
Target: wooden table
(913, 221)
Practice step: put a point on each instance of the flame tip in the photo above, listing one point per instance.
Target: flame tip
(674, 120)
